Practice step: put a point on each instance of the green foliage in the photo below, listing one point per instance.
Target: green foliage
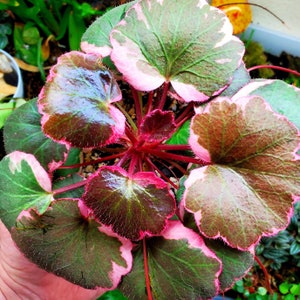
(255, 56)
(112, 295)
(286, 291)
(59, 19)
(285, 246)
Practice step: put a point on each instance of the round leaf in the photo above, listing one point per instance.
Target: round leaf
(135, 206)
(157, 126)
(75, 102)
(61, 241)
(254, 176)
(188, 43)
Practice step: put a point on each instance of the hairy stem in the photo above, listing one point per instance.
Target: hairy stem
(154, 167)
(172, 156)
(69, 187)
(149, 102)
(164, 95)
(146, 268)
(137, 104)
(187, 113)
(96, 161)
(173, 147)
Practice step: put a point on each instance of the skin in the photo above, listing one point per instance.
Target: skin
(21, 279)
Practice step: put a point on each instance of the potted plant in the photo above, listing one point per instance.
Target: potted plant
(196, 161)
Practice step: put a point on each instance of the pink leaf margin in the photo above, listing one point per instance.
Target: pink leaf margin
(130, 61)
(125, 251)
(15, 165)
(93, 49)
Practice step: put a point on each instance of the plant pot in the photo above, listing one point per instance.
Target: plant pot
(19, 87)
(274, 42)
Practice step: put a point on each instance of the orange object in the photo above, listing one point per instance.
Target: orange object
(239, 14)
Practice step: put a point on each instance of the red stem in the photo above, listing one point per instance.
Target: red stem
(275, 68)
(130, 135)
(93, 162)
(268, 286)
(173, 156)
(177, 166)
(164, 95)
(70, 187)
(187, 112)
(146, 268)
(166, 178)
(173, 147)
(138, 109)
(134, 162)
(150, 102)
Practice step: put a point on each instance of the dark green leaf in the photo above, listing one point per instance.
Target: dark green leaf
(22, 132)
(80, 250)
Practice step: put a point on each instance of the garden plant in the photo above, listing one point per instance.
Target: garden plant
(196, 161)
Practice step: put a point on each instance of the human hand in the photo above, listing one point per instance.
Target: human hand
(21, 279)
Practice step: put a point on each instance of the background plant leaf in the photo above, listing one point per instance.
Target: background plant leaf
(22, 132)
(283, 98)
(75, 102)
(82, 251)
(181, 136)
(155, 42)
(180, 267)
(254, 176)
(24, 184)
(135, 206)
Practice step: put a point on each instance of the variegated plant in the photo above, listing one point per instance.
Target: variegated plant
(185, 192)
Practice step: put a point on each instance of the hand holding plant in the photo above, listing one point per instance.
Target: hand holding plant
(185, 192)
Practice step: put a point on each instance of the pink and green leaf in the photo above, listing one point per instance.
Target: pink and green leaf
(180, 267)
(135, 206)
(254, 175)
(155, 43)
(157, 126)
(22, 132)
(235, 263)
(24, 184)
(96, 37)
(76, 102)
(80, 250)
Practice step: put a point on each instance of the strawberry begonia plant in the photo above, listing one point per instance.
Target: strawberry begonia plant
(205, 166)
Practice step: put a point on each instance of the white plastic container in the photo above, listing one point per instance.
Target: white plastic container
(274, 42)
(19, 93)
